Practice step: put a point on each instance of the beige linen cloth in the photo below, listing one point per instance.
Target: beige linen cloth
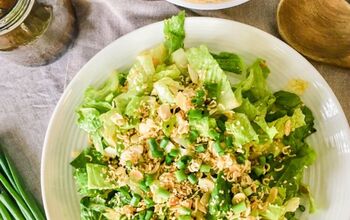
(28, 95)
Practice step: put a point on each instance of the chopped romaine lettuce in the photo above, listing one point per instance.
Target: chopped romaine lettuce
(241, 129)
(97, 177)
(209, 72)
(174, 32)
(230, 62)
(166, 89)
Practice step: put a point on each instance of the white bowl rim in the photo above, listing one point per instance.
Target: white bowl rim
(188, 19)
(208, 6)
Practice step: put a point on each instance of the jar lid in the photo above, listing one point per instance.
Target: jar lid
(16, 16)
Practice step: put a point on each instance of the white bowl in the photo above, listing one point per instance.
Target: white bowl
(208, 6)
(329, 177)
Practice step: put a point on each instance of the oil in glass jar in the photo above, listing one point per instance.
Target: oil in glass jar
(34, 33)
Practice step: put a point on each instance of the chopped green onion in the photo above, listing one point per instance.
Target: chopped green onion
(194, 114)
(248, 191)
(169, 159)
(163, 193)
(149, 179)
(135, 200)
(181, 164)
(174, 152)
(180, 175)
(229, 141)
(240, 207)
(192, 178)
(149, 202)
(214, 134)
(149, 214)
(199, 99)
(205, 168)
(218, 149)
(240, 159)
(156, 152)
(193, 135)
(258, 171)
(200, 148)
(164, 142)
(262, 160)
(184, 217)
(143, 186)
(142, 215)
(184, 211)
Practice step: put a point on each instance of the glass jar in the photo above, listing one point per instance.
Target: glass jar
(33, 33)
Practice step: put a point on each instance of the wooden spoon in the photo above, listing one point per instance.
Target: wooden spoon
(319, 29)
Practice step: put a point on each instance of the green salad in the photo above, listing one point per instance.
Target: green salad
(187, 133)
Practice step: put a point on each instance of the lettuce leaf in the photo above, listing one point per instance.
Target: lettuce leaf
(209, 72)
(254, 86)
(295, 121)
(166, 89)
(110, 87)
(220, 198)
(179, 58)
(97, 177)
(229, 62)
(174, 32)
(203, 125)
(140, 75)
(290, 177)
(167, 71)
(241, 129)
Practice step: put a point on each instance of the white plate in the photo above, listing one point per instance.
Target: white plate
(208, 6)
(329, 177)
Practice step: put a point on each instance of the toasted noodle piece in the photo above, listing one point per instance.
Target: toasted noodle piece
(128, 210)
(184, 189)
(167, 180)
(173, 200)
(245, 180)
(236, 188)
(239, 197)
(160, 208)
(286, 150)
(152, 168)
(117, 174)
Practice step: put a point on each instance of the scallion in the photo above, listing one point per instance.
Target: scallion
(192, 178)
